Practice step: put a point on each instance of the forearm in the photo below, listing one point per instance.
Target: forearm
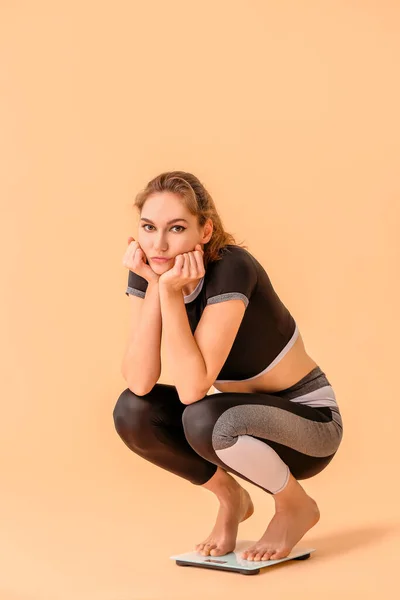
(141, 366)
(184, 357)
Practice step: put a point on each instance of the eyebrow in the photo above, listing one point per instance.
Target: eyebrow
(168, 222)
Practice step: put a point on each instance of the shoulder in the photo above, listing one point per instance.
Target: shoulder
(231, 253)
(235, 261)
(234, 275)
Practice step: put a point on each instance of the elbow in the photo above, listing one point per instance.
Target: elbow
(192, 398)
(140, 381)
(185, 401)
(140, 389)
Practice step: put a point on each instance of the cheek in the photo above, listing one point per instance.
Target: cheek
(142, 241)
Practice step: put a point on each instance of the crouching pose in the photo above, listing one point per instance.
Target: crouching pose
(273, 419)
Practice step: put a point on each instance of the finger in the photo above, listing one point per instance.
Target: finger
(200, 263)
(179, 261)
(129, 254)
(193, 264)
(186, 266)
(137, 253)
(133, 246)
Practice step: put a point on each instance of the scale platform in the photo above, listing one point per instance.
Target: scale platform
(233, 561)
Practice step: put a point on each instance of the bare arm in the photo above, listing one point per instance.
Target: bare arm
(184, 357)
(141, 365)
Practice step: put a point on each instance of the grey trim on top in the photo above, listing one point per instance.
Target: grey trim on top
(195, 293)
(228, 296)
(135, 292)
(187, 299)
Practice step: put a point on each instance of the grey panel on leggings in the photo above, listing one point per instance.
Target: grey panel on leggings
(313, 438)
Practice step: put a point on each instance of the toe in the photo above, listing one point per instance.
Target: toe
(247, 554)
(207, 548)
(280, 554)
(259, 554)
(267, 555)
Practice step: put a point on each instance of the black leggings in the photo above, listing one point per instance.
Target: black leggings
(185, 440)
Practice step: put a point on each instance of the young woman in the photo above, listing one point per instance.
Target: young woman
(274, 418)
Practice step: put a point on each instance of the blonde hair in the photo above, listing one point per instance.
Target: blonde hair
(198, 201)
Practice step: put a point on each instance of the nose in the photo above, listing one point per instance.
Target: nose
(159, 245)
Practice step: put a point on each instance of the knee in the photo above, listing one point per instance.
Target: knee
(131, 415)
(197, 423)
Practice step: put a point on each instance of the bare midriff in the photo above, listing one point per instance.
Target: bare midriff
(295, 365)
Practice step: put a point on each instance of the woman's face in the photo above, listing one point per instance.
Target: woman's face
(159, 238)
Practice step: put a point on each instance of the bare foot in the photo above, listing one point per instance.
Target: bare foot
(287, 527)
(223, 537)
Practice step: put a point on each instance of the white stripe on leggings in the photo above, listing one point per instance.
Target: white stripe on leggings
(257, 461)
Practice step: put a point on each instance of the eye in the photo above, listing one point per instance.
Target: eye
(179, 226)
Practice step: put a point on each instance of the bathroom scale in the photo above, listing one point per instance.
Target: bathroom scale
(233, 561)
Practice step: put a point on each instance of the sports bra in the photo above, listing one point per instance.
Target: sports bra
(267, 331)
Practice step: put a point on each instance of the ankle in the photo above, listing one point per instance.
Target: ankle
(229, 494)
(291, 495)
(223, 485)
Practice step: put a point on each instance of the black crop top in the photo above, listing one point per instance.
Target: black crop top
(267, 330)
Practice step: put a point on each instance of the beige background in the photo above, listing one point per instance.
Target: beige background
(289, 113)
